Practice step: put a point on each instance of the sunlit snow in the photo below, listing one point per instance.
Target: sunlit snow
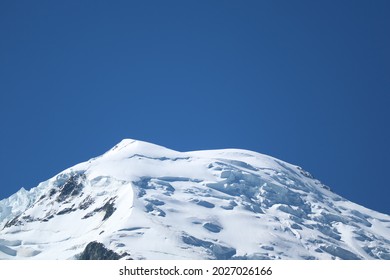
(145, 201)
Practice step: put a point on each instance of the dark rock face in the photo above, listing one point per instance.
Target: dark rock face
(72, 187)
(66, 211)
(88, 201)
(108, 208)
(13, 222)
(97, 251)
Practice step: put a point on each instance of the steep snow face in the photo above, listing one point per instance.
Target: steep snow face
(144, 201)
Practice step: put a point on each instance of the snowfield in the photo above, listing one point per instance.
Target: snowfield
(143, 201)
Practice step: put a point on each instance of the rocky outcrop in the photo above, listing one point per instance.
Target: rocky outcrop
(97, 251)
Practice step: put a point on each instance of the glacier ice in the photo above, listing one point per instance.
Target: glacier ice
(143, 201)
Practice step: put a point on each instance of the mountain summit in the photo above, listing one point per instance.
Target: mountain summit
(144, 201)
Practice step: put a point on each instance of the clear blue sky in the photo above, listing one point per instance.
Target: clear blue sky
(306, 82)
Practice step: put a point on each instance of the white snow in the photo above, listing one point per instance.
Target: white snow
(151, 202)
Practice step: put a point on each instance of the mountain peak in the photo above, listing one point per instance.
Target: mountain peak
(130, 147)
(144, 201)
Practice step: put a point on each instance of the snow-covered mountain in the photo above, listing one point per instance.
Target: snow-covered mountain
(144, 201)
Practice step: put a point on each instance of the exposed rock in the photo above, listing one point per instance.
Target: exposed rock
(108, 208)
(71, 187)
(97, 251)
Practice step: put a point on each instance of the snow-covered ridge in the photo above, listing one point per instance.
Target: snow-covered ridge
(144, 201)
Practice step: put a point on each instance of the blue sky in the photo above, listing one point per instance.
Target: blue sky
(305, 82)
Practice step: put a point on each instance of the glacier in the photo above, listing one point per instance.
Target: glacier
(143, 201)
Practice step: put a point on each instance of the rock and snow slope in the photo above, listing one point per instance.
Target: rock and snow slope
(143, 201)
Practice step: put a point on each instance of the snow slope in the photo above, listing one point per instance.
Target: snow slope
(144, 201)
